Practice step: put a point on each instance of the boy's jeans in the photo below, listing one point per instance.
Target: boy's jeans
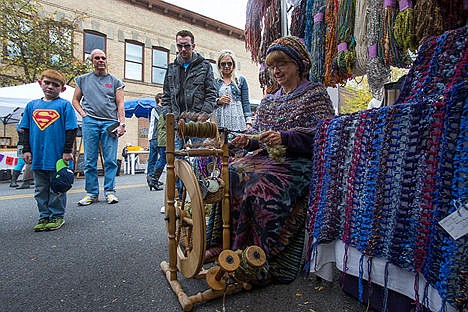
(95, 134)
(49, 204)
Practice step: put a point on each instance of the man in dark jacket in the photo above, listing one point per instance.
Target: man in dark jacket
(189, 82)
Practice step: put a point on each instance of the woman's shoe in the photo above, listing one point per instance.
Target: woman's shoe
(152, 183)
(156, 187)
(154, 178)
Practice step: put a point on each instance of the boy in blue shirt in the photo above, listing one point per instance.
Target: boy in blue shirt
(49, 127)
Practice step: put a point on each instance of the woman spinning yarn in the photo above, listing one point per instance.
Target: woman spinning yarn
(233, 106)
(269, 196)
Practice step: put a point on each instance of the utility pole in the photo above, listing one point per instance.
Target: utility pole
(284, 18)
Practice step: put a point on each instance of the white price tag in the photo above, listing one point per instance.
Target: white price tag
(456, 223)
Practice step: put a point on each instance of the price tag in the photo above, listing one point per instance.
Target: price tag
(456, 223)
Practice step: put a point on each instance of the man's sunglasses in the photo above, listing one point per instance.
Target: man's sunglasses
(186, 46)
(226, 64)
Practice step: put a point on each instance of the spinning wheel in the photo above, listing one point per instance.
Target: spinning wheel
(186, 219)
(190, 227)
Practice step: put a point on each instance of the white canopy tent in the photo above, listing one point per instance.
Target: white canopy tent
(13, 100)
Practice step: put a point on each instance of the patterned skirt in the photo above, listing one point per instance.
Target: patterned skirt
(269, 209)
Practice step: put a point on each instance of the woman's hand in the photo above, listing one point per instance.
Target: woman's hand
(225, 99)
(271, 137)
(240, 140)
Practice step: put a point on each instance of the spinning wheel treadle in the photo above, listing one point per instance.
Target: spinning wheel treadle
(190, 231)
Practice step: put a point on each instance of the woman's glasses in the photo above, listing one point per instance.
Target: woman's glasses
(280, 66)
(226, 64)
(97, 58)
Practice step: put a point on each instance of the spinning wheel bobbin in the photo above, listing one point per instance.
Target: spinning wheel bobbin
(228, 262)
(255, 256)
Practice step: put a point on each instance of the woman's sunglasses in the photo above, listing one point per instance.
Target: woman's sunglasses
(226, 64)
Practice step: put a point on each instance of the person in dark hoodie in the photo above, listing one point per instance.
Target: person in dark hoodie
(188, 85)
(189, 82)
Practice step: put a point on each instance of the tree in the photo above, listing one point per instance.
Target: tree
(358, 96)
(32, 43)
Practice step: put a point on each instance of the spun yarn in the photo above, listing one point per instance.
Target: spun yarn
(346, 55)
(377, 71)
(360, 36)
(403, 30)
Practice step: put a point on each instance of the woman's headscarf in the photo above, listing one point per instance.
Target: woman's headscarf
(296, 50)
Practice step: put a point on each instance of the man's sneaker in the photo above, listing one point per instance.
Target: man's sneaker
(163, 209)
(41, 224)
(87, 200)
(112, 199)
(54, 224)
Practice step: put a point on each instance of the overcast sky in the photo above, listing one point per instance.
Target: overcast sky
(230, 12)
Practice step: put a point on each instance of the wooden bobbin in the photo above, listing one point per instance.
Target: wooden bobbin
(255, 256)
(228, 262)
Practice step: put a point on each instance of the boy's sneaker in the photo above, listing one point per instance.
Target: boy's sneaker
(41, 224)
(54, 224)
(87, 200)
(112, 199)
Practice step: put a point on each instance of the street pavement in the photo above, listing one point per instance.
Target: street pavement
(107, 257)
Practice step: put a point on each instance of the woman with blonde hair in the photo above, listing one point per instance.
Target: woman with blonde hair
(232, 105)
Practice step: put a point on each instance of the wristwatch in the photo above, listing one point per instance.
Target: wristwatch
(122, 125)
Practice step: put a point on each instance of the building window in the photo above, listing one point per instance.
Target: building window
(159, 67)
(134, 60)
(93, 40)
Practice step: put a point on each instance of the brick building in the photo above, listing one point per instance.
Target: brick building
(138, 37)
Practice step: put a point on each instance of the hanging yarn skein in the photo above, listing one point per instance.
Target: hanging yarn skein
(298, 20)
(427, 20)
(309, 23)
(331, 15)
(393, 55)
(360, 35)
(271, 26)
(346, 55)
(455, 13)
(271, 32)
(317, 44)
(253, 26)
(403, 30)
(377, 72)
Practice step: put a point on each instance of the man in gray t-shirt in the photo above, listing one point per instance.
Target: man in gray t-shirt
(99, 99)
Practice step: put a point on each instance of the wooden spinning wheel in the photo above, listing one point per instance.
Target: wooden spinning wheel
(186, 230)
(190, 227)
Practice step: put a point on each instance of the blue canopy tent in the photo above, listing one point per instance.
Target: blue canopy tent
(140, 107)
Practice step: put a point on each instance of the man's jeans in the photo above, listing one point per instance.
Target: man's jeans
(49, 204)
(153, 156)
(95, 134)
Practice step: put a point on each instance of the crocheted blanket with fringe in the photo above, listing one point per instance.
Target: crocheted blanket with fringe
(384, 178)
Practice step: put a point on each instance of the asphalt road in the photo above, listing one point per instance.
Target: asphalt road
(106, 258)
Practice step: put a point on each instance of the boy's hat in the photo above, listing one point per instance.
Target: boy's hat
(64, 178)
